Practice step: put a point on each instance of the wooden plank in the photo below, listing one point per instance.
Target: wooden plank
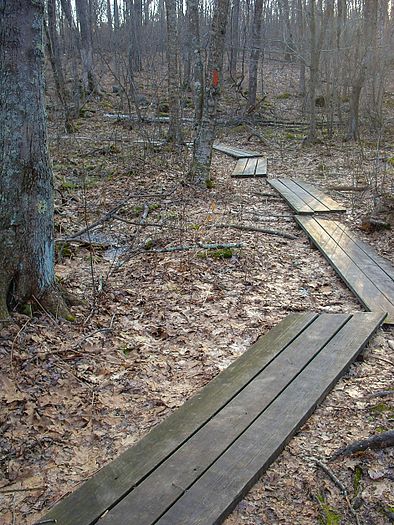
(384, 264)
(239, 167)
(304, 195)
(360, 284)
(262, 167)
(238, 153)
(220, 488)
(115, 480)
(253, 167)
(297, 204)
(325, 199)
(250, 168)
(361, 258)
(147, 502)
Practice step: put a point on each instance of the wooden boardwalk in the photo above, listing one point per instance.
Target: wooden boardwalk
(250, 167)
(237, 153)
(369, 276)
(195, 466)
(304, 198)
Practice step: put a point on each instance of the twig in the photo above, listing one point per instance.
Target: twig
(197, 246)
(253, 229)
(379, 441)
(11, 491)
(332, 476)
(144, 214)
(380, 393)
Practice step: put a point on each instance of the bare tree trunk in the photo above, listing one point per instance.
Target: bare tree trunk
(255, 53)
(196, 62)
(88, 79)
(26, 211)
(109, 16)
(202, 152)
(174, 98)
(235, 13)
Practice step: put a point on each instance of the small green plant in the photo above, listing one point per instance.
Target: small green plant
(329, 515)
(222, 253)
(358, 474)
(209, 184)
(294, 136)
(283, 96)
(390, 161)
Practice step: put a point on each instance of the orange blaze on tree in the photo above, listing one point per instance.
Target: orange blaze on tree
(215, 79)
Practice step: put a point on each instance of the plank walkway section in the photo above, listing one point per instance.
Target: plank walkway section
(250, 167)
(195, 466)
(237, 153)
(369, 276)
(304, 198)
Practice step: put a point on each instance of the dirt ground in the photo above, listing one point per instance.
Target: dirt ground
(155, 327)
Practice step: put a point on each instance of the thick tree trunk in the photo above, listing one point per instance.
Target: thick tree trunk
(174, 95)
(255, 53)
(26, 210)
(202, 152)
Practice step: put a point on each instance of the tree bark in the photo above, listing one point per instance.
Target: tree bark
(174, 95)
(26, 210)
(196, 61)
(205, 135)
(255, 53)
(235, 12)
(88, 79)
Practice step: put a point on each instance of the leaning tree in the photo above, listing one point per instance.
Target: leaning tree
(26, 181)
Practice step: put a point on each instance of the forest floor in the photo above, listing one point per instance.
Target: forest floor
(155, 327)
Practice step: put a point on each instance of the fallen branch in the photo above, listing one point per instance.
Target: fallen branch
(380, 393)
(197, 246)
(332, 476)
(259, 230)
(379, 441)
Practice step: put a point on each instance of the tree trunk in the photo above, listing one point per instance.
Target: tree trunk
(26, 211)
(235, 12)
(174, 98)
(255, 53)
(202, 152)
(88, 79)
(196, 61)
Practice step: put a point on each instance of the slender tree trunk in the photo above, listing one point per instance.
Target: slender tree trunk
(202, 152)
(235, 14)
(196, 62)
(174, 98)
(109, 16)
(255, 53)
(88, 79)
(26, 211)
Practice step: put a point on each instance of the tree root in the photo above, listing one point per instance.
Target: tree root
(54, 302)
(379, 441)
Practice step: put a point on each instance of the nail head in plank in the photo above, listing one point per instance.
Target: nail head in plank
(147, 502)
(116, 479)
(218, 491)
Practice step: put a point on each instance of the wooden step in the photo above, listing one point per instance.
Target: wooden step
(304, 198)
(251, 167)
(369, 276)
(238, 153)
(196, 465)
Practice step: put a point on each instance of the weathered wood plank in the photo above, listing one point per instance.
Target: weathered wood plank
(304, 195)
(361, 258)
(297, 204)
(147, 502)
(251, 167)
(238, 153)
(220, 488)
(361, 285)
(262, 167)
(240, 167)
(325, 199)
(115, 480)
(384, 264)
